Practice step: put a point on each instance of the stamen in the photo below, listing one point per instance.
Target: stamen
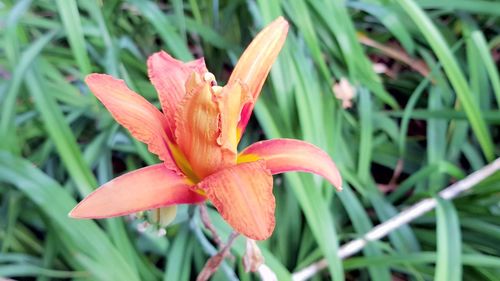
(216, 89)
(209, 77)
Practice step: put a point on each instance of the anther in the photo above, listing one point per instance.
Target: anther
(209, 77)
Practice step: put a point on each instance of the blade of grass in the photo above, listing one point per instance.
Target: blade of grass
(55, 202)
(366, 134)
(337, 20)
(28, 270)
(60, 134)
(436, 139)
(11, 43)
(70, 153)
(487, 61)
(177, 46)
(68, 11)
(419, 258)
(179, 256)
(362, 224)
(390, 19)
(473, 6)
(491, 116)
(305, 25)
(8, 103)
(49, 255)
(454, 73)
(449, 251)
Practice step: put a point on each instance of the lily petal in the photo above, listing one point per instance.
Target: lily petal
(230, 102)
(288, 155)
(169, 77)
(243, 195)
(147, 188)
(198, 129)
(255, 63)
(144, 121)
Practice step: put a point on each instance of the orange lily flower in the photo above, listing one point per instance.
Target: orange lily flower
(196, 137)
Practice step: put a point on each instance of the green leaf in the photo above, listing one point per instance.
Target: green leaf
(82, 236)
(455, 75)
(68, 11)
(449, 244)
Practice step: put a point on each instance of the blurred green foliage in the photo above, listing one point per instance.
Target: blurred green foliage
(430, 118)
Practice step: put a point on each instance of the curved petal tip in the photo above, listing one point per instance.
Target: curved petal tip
(147, 188)
(289, 155)
(256, 61)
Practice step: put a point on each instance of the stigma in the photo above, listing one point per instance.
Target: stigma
(210, 78)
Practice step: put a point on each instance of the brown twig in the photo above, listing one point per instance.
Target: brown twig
(253, 258)
(392, 184)
(208, 225)
(215, 261)
(397, 54)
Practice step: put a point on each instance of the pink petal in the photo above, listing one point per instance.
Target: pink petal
(288, 155)
(147, 188)
(243, 195)
(255, 63)
(144, 121)
(169, 77)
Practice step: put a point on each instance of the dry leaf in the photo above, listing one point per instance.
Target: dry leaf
(253, 258)
(345, 92)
